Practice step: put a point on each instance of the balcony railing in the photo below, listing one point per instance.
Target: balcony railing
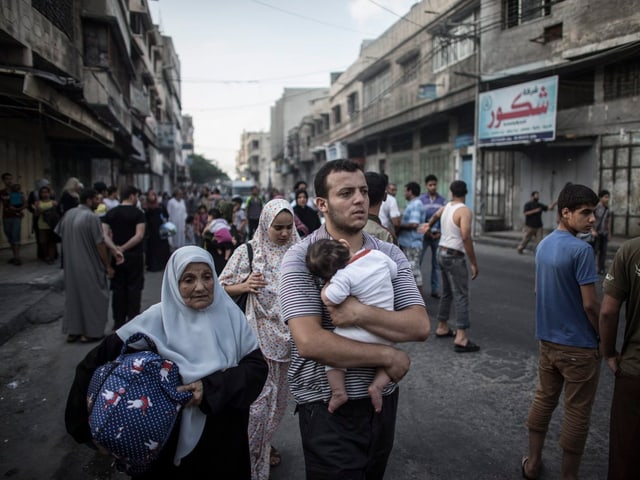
(102, 94)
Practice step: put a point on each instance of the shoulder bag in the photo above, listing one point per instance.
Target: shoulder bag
(241, 300)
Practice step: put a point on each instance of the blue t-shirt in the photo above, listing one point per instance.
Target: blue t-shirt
(431, 206)
(414, 213)
(563, 264)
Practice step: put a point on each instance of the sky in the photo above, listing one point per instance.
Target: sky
(237, 56)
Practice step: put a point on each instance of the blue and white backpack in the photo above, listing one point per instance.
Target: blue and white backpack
(133, 405)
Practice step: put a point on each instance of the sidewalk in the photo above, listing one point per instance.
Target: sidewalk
(29, 293)
(511, 239)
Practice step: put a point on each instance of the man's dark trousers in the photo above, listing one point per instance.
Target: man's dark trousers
(126, 286)
(352, 443)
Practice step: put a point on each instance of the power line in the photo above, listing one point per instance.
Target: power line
(305, 91)
(401, 17)
(253, 81)
(310, 19)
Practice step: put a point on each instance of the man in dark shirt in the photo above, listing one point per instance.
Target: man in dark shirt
(253, 207)
(126, 225)
(533, 220)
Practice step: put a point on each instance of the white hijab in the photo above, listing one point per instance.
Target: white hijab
(200, 342)
(263, 308)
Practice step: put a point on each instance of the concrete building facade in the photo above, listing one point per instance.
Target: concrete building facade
(90, 89)
(286, 114)
(594, 50)
(408, 105)
(253, 161)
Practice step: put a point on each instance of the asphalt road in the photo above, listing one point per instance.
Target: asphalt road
(461, 416)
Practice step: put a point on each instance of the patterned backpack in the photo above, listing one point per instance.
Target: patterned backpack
(133, 406)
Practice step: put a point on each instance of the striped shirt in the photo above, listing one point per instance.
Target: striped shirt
(300, 297)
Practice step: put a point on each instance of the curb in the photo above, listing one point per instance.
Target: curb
(30, 304)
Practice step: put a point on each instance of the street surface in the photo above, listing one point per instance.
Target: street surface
(461, 416)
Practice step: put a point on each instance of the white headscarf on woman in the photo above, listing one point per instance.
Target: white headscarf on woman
(263, 309)
(200, 342)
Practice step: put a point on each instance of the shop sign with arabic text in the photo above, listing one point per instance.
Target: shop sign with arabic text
(521, 113)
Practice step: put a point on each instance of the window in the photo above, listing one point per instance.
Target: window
(337, 115)
(376, 87)
(622, 79)
(576, 89)
(554, 32)
(516, 12)
(410, 69)
(325, 121)
(255, 144)
(402, 142)
(455, 44)
(352, 104)
(96, 44)
(434, 134)
(59, 13)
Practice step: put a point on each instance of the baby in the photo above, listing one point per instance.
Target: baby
(16, 197)
(367, 275)
(220, 239)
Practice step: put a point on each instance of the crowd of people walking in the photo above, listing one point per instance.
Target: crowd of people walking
(311, 327)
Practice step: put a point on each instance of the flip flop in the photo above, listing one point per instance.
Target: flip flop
(450, 333)
(524, 461)
(468, 348)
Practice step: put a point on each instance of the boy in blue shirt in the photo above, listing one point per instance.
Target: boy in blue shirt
(567, 311)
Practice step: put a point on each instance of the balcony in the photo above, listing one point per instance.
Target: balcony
(139, 6)
(110, 11)
(141, 46)
(103, 96)
(139, 101)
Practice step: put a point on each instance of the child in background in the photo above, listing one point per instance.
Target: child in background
(367, 275)
(218, 239)
(16, 197)
(199, 222)
(189, 232)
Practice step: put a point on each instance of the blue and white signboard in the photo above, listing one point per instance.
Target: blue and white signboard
(521, 113)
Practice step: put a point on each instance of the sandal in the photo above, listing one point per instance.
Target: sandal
(450, 333)
(72, 338)
(274, 457)
(468, 348)
(524, 471)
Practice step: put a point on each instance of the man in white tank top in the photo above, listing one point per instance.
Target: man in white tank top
(455, 221)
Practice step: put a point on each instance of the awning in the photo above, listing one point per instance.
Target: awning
(63, 110)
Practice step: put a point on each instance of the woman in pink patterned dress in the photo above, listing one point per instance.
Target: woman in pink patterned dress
(275, 234)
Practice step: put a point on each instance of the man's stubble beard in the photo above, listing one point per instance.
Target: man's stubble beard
(343, 226)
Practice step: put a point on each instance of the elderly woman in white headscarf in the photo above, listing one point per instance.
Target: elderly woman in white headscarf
(197, 326)
(275, 234)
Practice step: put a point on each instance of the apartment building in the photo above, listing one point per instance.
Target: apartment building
(289, 109)
(510, 96)
(405, 107)
(588, 53)
(253, 158)
(90, 89)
